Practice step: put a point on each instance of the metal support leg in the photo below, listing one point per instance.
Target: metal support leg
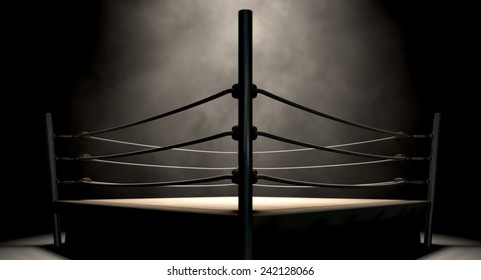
(428, 233)
(57, 237)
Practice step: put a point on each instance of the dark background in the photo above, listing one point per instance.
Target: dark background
(51, 44)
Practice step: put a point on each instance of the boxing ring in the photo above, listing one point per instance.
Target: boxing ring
(244, 220)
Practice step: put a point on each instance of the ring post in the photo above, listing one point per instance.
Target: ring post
(245, 131)
(428, 233)
(57, 237)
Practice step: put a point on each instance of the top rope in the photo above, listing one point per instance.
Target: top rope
(175, 111)
(312, 111)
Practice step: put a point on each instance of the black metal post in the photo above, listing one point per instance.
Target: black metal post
(428, 233)
(57, 237)
(245, 130)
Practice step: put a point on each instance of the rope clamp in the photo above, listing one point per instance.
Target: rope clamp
(235, 133)
(235, 91)
(235, 176)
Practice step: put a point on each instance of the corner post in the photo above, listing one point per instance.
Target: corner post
(428, 233)
(245, 131)
(57, 237)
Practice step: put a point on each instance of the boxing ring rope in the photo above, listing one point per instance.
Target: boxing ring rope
(166, 114)
(333, 150)
(153, 150)
(396, 182)
(312, 111)
(229, 133)
(162, 166)
(231, 168)
(235, 153)
(244, 176)
(88, 181)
